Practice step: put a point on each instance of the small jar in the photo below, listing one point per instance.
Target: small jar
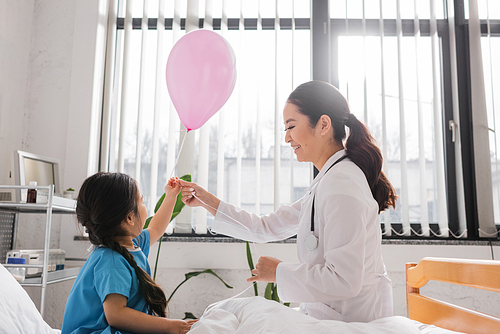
(31, 193)
(19, 273)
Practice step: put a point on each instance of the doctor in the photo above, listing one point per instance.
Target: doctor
(341, 274)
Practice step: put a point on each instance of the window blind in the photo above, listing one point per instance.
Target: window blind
(491, 48)
(237, 152)
(397, 92)
(482, 132)
(389, 61)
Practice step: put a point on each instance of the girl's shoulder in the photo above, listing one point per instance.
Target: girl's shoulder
(142, 239)
(104, 257)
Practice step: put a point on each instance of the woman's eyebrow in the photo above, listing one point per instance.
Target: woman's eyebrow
(289, 120)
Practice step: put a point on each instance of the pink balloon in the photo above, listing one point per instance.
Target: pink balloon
(201, 74)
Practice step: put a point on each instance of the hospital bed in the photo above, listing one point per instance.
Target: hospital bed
(478, 274)
(18, 313)
(426, 315)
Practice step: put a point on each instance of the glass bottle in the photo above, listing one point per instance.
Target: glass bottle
(31, 193)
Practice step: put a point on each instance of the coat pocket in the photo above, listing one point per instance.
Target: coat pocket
(322, 311)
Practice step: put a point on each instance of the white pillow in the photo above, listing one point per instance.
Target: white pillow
(18, 313)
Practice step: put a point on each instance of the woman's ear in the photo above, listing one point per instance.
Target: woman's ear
(325, 124)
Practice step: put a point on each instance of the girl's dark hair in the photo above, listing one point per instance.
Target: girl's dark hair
(104, 202)
(316, 98)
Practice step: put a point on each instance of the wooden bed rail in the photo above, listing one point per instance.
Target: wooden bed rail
(480, 274)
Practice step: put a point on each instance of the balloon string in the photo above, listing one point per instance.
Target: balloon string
(199, 199)
(224, 300)
(179, 154)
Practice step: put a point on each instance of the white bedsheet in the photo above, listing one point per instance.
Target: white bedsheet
(258, 315)
(18, 314)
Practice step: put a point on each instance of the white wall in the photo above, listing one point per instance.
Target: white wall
(49, 92)
(16, 19)
(47, 58)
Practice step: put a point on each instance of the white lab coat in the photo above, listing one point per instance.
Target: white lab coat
(344, 278)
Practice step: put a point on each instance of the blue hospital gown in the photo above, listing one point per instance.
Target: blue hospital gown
(105, 271)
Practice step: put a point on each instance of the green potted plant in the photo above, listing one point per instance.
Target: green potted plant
(177, 209)
(70, 193)
(179, 205)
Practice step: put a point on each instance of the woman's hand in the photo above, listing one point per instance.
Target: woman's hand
(193, 195)
(265, 270)
(180, 326)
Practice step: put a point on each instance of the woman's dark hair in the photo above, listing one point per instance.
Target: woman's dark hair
(104, 202)
(316, 98)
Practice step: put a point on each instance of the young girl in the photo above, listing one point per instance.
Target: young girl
(114, 292)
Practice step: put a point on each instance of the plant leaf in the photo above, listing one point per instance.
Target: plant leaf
(158, 204)
(275, 293)
(146, 224)
(189, 315)
(157, 257)
(249, 256)
(206, 271)
(194, 274)
(250, 264)
(269, 291)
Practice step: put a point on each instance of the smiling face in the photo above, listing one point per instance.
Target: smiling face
(312, 144)
(299, 134)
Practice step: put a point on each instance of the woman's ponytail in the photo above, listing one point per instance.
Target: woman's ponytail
(316, 98)
(362, 150)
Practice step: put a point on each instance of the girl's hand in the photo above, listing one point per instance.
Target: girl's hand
(120, 316)
(173, 187)
(180, 326)
(265, 270)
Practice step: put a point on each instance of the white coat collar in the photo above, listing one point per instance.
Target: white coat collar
(323, 170)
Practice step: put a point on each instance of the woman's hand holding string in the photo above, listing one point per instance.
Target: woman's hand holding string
(265, 270)
(193, 195)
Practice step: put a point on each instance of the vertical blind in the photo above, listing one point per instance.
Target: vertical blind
(483, 75)
(390, 71)
(489, 11)
(240, 153)
(389, 59)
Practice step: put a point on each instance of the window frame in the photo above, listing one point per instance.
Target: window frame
(324, 58)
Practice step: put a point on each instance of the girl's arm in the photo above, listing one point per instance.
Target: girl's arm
(160, 220)
(120, 316)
